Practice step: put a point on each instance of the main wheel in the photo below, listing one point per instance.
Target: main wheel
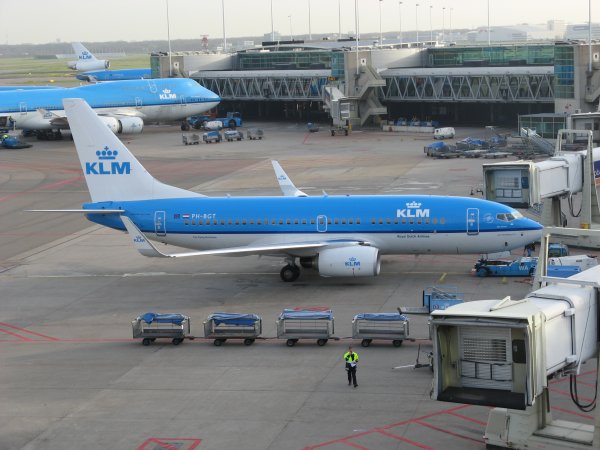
(177, 341)
(146, 341)
(291, 342)
(483, 272)
(365, 342)
(248, 341)
(289, 273)
(321, 342)
(218, 342)
(397, 342)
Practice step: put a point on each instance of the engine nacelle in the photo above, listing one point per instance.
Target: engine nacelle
(356, 261)
(111, 123)
(86, 65)
(130, 125)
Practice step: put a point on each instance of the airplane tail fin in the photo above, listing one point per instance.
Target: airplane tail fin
(111, 171)
(81, 52)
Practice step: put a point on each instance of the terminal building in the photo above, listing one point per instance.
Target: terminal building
(543, 83)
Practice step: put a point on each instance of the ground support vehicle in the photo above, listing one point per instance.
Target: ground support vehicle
(190, 139)
(312, 127)
(231, 120)
(152, 326)
(342, 129)
(254, 133)
(384, 326)
(212, 136)
(233, 135)
(13, 143)
(295, 324)
(520, 267)
(221, 326)
(556, 250)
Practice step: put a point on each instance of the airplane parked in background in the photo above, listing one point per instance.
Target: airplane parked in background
(337, 235)
(123, 106)
(94, 76)
(86, 60)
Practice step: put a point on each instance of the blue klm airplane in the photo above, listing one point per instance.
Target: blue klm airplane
(94, 69)
(123, 106)
(341, 236)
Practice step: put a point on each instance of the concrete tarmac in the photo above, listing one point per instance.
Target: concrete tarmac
(72, 376)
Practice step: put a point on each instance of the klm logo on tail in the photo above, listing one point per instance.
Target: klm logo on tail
(107, 164)
(85, 55)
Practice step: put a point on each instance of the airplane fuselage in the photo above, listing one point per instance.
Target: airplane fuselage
(394, 224)
(150, 100)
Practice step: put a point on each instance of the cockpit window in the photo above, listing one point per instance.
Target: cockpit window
(509, 217)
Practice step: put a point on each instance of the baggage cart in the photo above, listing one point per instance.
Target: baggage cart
(152, 326)
(295, 324)
(254, 133)
(190, 139)
(221, 326)
(385, 326)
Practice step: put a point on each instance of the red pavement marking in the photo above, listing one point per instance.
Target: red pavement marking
(352, 444)
(408, 441)
(42, 188)
(23, 330)
(425, 424)
(165, 445)
(468, 418)
(23, 338)
(585, 416)
(568, 394)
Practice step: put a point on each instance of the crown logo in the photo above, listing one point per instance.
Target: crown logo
(413, 205)
(166, 91)
(106, 154)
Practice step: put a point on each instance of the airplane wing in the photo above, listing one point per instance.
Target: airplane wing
(146, 248)
(287, 186)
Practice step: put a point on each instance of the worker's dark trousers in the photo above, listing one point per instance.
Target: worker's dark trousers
(352, 376)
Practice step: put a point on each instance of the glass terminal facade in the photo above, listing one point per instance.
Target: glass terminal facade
(506, 55)
(564, 71)
(546, 125)
(285, 60)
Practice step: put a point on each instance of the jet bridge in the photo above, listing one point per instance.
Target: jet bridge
(549, 184)
(502, 353)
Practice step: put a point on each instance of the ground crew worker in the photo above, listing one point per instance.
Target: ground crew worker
(351, 359)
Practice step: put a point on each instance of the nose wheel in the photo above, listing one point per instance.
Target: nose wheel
(290, 273)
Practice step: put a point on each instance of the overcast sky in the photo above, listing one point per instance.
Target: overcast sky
(43, 21)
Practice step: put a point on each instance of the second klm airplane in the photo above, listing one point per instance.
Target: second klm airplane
(341, 236)
(123, 106)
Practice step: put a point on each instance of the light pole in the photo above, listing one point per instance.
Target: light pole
(380, 33)
(291, 32)
(451, 24)
(224, 36)
(488, 5)
(169, 41)
(417, 21)
(356, 25)
(443, 23)
(430, 24)
(309, 32)
(400, 20)
(590, 36)
(272, 29)
(339, 19)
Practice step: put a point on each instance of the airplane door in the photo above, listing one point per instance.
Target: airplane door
(472, 221)
(138, 102)
(159, 223)
(23, 107)
(321, 224)
(152, 86)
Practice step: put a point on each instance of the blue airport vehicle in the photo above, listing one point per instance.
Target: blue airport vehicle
(520, 267)
(231, 120)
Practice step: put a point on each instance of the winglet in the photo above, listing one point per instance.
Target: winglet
(287, 186)
(140, 242)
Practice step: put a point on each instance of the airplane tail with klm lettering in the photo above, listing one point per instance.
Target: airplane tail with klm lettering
(82, 53)
(111, 171)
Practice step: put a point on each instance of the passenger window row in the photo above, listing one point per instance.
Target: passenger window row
(354, 221)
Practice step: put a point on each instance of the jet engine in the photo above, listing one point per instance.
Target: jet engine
(130, 125)
(111, 123)
(356, 261)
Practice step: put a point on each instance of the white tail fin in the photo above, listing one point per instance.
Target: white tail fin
(111, 171)
(82, 53)
(288, 188)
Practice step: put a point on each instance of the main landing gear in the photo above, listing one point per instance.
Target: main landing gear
(290, 273)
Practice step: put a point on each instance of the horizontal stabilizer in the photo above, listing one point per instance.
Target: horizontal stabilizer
(287, 186)
(80, 211)
(146, 248)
